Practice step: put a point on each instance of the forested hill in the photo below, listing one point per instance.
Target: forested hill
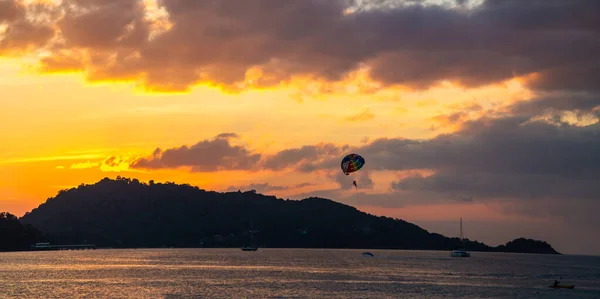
(129, 213)
(14, 235)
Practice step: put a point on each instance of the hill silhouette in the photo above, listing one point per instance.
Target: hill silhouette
(14, 235)
(129, 213)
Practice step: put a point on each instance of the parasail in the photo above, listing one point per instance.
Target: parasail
(352, 163)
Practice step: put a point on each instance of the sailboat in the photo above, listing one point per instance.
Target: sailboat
(460, 252)
(252, 246)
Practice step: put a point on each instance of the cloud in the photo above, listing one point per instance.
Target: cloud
(489, 159)
(362, 116)
(581, 103)
(178, 43)
(21, 34)
(451, 119)
(302, 185)
(501, 146)
(306, 158)
(117, 164)
(207, 155)
(504, 146)
(485, 186)
(9, 11)
(85, 165)
(227, 135)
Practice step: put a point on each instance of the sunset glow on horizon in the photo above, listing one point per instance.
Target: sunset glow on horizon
(457, 113)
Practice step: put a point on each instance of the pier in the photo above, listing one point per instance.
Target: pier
(47, 246)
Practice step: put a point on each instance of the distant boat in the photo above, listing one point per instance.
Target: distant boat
(460, 252)
(368, 254)
(252, 246)
(562, 286)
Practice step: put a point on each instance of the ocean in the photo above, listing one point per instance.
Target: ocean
(292, 273)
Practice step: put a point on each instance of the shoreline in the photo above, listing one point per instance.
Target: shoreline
(296, 248)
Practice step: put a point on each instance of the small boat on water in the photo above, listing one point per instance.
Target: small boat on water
(252, 246)
(368, 254)
(562, 286)
(460, 252)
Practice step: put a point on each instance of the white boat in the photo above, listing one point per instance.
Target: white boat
(460, 252)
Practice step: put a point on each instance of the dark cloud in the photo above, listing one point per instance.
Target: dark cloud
(218, 154)
(503, 146)
(496, 41)
(103, 25)
(307, 158)
(21, 34)
(500, 146)
(112, 161)
(577, 102)
(227, 135)
(453, 118)
(207, 155)
(10, 11)
(413, 45)
(484, 185)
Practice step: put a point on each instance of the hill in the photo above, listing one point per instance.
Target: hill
(14, 235)
(522, 245)
(130, 213)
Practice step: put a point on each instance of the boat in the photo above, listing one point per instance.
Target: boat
(460, 252)
(368, 254)
(560, 286)
(252, 246)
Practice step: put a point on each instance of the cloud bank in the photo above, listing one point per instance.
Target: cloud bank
(174, 44)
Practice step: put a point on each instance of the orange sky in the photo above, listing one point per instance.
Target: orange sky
(58, 129)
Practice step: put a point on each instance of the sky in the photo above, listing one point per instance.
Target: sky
(481, 110)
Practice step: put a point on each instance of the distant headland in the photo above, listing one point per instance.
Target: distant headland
(127, 213)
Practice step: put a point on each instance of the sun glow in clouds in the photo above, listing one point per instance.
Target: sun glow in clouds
(158, 17)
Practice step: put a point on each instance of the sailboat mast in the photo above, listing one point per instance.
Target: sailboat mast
(461, 231)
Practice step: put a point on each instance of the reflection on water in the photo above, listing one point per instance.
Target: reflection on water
(299, 273)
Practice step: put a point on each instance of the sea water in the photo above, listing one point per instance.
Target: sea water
(292, 273)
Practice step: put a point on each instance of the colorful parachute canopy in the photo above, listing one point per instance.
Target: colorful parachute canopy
(352, 163)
